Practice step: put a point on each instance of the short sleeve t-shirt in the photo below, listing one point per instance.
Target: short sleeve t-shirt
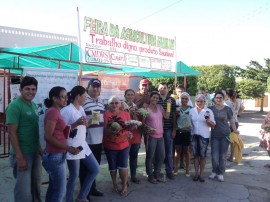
(168, 123)
(52, 114)
(155, 120)
(95, 131)
(121, 141)
(222, 117)
(70, 115)
(25, 117)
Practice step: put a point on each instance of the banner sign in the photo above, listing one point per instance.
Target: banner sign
(104, 42)
(113, 85)
(48, 78)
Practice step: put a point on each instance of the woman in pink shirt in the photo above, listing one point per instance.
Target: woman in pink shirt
(56, 134)
(155, 142)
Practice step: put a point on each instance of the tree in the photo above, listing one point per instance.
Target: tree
(251, 89)
(216, 77)
(257, 72)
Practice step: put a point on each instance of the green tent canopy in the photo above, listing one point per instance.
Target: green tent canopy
(181, 70)
(66, 56)
(63, 56)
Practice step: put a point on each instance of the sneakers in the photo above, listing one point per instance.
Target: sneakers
(212, 176)
(170, 176)
(220, 178)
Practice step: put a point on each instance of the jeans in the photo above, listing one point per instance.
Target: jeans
(96, 150)
(168, 141)
(117, 159)
(155, 151)
(92, 166)
(28, 182)
(55, 165)
(133, 158)
(219, 149)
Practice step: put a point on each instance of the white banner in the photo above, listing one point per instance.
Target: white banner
(104, 42)
(48, 78)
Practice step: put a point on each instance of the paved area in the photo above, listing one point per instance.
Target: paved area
(247, 181)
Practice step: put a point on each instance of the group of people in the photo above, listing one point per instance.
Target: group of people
(77, 128)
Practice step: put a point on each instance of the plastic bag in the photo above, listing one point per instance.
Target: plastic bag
(184, 122)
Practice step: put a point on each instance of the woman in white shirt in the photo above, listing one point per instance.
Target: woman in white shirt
(74, 115)
(202, 119)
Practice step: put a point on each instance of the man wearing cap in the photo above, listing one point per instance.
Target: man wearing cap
(93, 105)
(142, 97)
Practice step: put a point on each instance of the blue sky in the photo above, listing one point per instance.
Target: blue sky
(207, 32)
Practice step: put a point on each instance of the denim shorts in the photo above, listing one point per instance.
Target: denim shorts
(117, 159)
(199, 146)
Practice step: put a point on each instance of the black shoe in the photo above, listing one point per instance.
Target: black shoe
(170, 176)
(96, 193)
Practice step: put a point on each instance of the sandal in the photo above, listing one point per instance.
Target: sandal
(229, 159)
(201, 179)
(115, 190)
(196, 178)
(124, 193)
(135, 180)
(267, 166)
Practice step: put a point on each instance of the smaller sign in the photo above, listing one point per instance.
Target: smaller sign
(117, 58)
(96, 55)
(156, 63)
(144, 62)
(132, 60)
(166, 64)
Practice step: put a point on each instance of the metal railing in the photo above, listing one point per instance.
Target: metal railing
(4, 141)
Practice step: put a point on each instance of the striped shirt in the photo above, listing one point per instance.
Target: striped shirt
(95, 131)
(168, 123)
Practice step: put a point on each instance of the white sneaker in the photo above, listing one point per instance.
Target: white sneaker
(220, 178)
(212, 176)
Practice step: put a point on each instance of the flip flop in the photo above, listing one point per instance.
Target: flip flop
(195, 178)
(267, 166)
(201, 179)
(124, 193)
(115, 190)
(228, 159)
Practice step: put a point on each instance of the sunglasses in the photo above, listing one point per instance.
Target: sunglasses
(114, 103)
(219, 97)
(64, 97)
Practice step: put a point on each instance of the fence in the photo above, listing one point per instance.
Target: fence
(4, 141)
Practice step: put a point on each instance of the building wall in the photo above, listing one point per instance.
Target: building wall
(11, 37)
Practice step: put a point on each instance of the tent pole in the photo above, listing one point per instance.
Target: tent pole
(80, 47)
(58, 64)
(175, 82)
(185, 81)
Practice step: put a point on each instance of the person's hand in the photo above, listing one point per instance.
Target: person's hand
(73, 150)
(21, 163)
(40, 152)
(173, 133)
(130, 135)
(145, 105)
(236, 132)
(81, 121)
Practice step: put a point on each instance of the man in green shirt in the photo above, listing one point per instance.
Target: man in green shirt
(22, 121)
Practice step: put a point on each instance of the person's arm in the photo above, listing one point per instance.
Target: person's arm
(49, 129)
(13, 135)
(166, 115)
(211, 120)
